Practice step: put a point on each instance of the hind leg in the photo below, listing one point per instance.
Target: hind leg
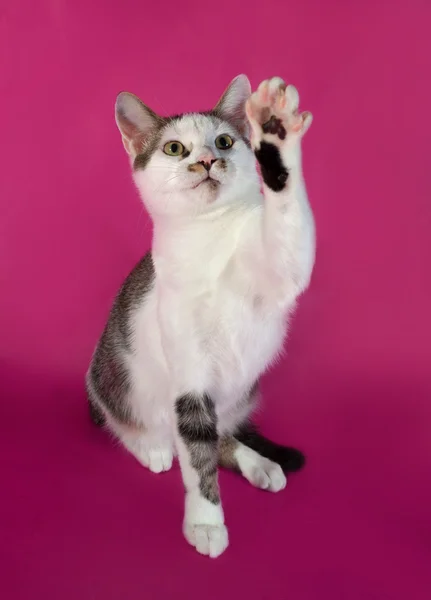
(258, 470)
(144, 433)
(153, 449)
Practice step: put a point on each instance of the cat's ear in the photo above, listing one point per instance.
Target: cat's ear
(231, 106)
(135, 122)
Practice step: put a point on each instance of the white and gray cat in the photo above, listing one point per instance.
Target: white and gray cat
(205, 313)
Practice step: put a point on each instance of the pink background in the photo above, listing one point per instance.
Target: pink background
(79, 518)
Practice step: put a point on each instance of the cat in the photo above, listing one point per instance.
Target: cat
(205, 313)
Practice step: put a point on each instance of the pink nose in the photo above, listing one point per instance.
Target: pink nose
(206, 159)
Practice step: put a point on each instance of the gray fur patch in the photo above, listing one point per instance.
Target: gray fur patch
(108, 379)
(133, 291)
(148, 148)
(197, 425)
(226, 453)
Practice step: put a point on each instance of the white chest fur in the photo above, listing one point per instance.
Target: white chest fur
(218, 332)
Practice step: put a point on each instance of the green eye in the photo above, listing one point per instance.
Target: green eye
(173, 148)
(224, 141)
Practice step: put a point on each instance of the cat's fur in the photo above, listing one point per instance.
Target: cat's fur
(203, 315)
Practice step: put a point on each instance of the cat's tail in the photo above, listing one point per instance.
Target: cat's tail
(289, 459)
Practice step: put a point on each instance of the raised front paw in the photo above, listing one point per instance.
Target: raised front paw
(277, 127)
(273, 114)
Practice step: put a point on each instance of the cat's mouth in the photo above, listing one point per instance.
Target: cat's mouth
(212, 183)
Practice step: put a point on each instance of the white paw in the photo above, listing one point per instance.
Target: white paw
(160, 459)
(210, 540)
(156, 460)
(273, 113)
(268, 476)
(259, 471)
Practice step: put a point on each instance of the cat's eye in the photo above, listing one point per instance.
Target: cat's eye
(173, 148)
(224, 142)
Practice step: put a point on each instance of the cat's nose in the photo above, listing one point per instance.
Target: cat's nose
(206, 160)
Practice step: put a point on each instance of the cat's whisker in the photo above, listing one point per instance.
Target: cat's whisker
(164, 183)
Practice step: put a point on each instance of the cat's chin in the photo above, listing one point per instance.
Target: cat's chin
(207, 189)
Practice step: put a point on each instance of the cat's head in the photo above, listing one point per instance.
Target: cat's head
(192, 163)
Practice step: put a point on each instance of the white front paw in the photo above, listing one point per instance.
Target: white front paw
(210, 540)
